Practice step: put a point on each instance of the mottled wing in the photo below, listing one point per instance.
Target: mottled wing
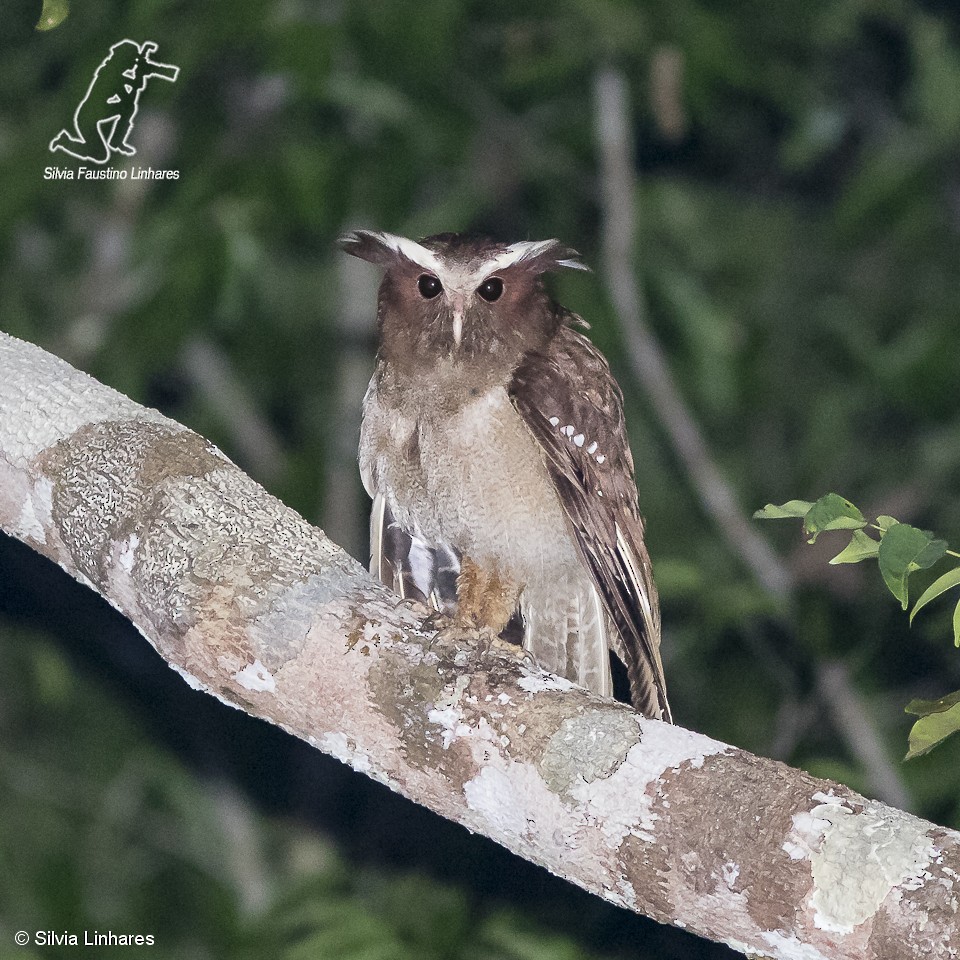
(573, 406)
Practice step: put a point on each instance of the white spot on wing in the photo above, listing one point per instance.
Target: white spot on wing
(592, 449)
(554, 421)
(578, 439)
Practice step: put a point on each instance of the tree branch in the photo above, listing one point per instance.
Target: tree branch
(253, 605)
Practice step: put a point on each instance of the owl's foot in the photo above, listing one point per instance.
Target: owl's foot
(411, 603)
(457, 633)
(486, 605)
(525, 655)
(437, 622)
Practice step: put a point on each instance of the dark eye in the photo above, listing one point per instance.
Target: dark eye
(429, 286)
(491, 289)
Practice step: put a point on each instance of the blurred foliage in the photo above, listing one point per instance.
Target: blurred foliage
(799, 222)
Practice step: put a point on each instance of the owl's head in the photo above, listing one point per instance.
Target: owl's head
(472, 300)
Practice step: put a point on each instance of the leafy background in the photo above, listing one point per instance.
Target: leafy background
(798, 233)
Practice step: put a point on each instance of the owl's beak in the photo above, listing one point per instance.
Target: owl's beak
(458, 302)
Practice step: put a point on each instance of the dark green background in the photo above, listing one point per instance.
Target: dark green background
(798, 221)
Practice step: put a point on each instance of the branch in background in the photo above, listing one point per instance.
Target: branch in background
(853, 722)
(345, 506)
(850, 713)
(253, 605)
(109, 285)
(619, 217)
(210, 373)
(617, 181)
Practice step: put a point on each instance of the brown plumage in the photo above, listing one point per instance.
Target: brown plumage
(494, 447)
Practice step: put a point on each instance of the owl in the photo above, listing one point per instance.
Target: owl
(494, 448)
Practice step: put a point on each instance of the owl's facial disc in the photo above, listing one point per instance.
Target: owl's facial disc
(462, 297)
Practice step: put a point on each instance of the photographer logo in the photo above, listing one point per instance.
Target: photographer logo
(103, 123)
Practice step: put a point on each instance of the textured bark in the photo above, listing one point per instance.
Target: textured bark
(250, 603)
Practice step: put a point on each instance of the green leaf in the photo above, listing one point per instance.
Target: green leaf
(923, 708)
(950, 579)
(790, 509)
(939, 719)
(53, 14)
(885, 523)
(860, 547)
(832, 512)
(903, 550)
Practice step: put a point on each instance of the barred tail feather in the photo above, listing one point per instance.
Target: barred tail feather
(569, 637)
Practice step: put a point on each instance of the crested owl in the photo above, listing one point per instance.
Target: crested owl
(494, 448)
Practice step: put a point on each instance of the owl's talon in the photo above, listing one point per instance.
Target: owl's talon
(437, 622)
(516, 651)
(456, 632)
(525, 656)
(410, 603)
(483, 639)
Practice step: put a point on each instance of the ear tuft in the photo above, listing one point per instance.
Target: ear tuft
(387, 249)
(368, 245)
(538, 256)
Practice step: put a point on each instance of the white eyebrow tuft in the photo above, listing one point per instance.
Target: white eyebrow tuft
(413, 251)
(573, 265)
(524, 250)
